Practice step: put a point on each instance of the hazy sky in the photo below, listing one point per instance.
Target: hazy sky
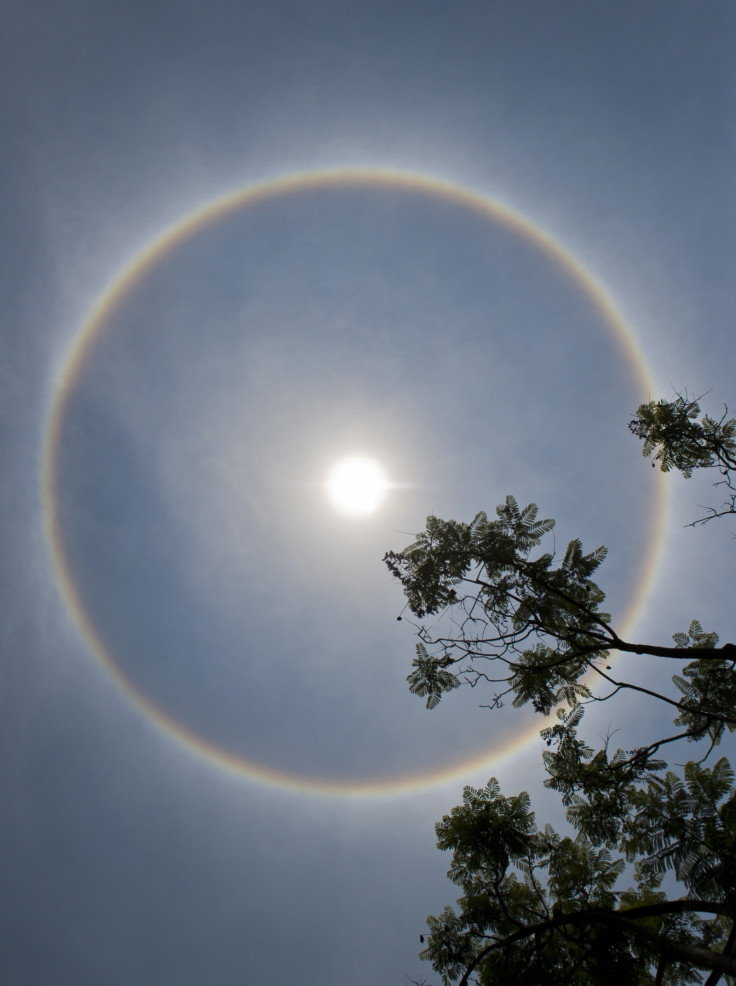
(480, 341)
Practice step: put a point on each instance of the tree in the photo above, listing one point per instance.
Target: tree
(538, 907)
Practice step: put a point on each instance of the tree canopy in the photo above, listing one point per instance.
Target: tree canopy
(587, 907)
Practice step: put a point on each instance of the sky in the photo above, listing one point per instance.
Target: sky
(239, 243)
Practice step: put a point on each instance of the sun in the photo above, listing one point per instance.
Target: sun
(356, 485)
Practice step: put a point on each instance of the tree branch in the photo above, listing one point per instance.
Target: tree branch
(624, 919)
(727, 950)
(728, 720)
(727, 652)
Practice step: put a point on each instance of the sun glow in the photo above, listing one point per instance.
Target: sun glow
(356, 486)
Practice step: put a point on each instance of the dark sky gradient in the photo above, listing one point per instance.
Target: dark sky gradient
(251, 358)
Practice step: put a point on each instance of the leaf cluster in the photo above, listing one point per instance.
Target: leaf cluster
(662, 821)
(676, 439)
(539, 616)
(707, 686)
(532, 623)
(538, 907)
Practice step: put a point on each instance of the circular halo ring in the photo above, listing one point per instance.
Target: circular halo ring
(90, 330)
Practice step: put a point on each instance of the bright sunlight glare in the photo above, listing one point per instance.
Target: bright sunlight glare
(356, 485)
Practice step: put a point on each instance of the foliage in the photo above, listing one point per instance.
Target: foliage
(539, 908)
(677, 439)
(533, 623)
(536, 906)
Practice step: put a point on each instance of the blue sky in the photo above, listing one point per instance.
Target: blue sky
(401, 324)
